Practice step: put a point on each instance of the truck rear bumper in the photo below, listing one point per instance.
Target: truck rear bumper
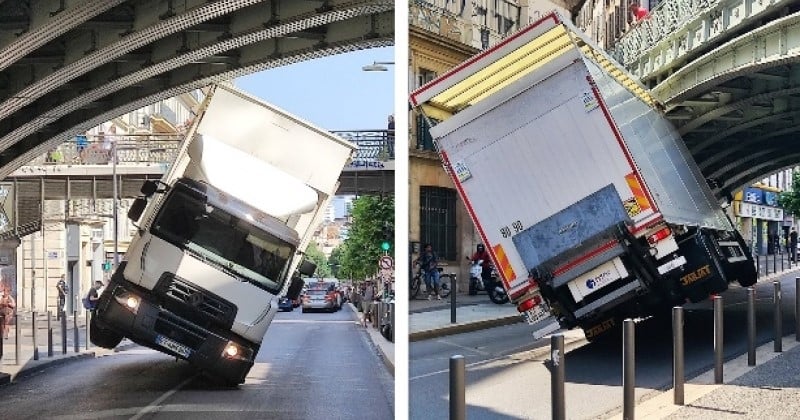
(150, 325)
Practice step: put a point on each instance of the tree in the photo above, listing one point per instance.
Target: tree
(371, 215)
(790, 200)
(317, 257)
(334, 261)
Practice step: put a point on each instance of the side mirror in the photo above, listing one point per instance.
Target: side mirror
(307, 268)
(295, 287)
(149, 188)
(137, 208)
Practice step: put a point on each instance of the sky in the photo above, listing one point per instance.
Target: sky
(332, 92)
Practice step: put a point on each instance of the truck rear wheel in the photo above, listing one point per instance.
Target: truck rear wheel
(103, 337)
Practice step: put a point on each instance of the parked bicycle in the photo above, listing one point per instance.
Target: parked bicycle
(418, 280)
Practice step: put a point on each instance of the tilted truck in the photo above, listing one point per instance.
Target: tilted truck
(589, 203)
(222, 235)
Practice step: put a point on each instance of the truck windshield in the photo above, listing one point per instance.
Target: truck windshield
(222, 239)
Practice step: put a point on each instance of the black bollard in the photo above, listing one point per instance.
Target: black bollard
(452, 298)
(718, 353)
(49, 334)
(63, 332)
(751, 326)
(778, 324)
(557, 377)
(677, 355)
(458, 403)
(628, 369)
(33, 337)
(76, 342)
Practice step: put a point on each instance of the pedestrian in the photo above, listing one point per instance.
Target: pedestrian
(61, 286)
(637, 12)
(793, 244)
(486, 267)
(429, 262)
(366, 303)
(7, 308)
(390, 136)
(80, 145)
(90, 301)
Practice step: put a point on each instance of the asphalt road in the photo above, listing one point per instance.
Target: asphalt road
(507, 378)
(313, 365)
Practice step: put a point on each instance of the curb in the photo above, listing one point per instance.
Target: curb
(6, 378)
(384, 358)
(464, 327)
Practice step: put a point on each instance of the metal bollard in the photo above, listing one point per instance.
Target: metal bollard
(766, 264)
(778, 324)
(782, 262)
(49, 334)
(17, 345)
(376, 315)
(2, 339)
(63, 332)
(774, 262)
(797, 308)
(718, 354)
(76, 342)
(751, 326)
(557, 377)
(33, 337)
(758, 266)
(677, 355)
(452, 298)
(628, 369)
(458, 402)
(86, 330)
(392, 306)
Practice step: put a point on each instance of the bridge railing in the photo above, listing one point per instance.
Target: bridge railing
(374, 147)
(97, 150)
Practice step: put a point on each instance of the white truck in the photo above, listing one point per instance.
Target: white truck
(222, 236)
(589, 203)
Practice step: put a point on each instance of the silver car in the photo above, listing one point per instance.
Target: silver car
(319, 299)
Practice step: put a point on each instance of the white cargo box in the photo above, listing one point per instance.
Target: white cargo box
(546, 119)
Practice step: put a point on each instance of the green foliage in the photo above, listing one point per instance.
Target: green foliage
(335, 261)
(790, 200)
(317, 257)
(358, 255)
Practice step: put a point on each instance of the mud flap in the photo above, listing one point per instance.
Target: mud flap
(739, 265)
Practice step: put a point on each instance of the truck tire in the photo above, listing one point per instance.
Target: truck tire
(103, 337)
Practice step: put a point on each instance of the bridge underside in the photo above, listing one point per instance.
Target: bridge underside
(738, 106)
(67, 66)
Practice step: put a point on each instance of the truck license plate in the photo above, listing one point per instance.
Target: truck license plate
(596, 279)
(173, 345)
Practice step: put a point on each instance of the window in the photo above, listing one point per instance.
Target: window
(424, 139)
(438, 220)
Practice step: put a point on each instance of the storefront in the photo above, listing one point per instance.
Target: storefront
(761, 219)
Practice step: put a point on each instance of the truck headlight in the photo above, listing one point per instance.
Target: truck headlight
(237, 352)
(129, 301)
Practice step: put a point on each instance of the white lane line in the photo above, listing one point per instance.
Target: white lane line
(311, 321)
(154, 405)
(459, 346)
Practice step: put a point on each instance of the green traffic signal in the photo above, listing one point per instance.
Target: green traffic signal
(385, 246)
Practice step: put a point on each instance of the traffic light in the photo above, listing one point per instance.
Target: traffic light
(107, 266)
(387, 234)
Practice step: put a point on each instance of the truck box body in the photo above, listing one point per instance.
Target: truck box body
(559, 156)
(225, 236)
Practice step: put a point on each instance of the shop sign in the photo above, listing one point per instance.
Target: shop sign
(760, 212)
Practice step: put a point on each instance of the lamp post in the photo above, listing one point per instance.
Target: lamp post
(378, 66)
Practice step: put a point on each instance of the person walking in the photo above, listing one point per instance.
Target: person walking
(61, 286)
(429, 262)
(793, 244)
(7, 308)
(390, 136)
(90, 301)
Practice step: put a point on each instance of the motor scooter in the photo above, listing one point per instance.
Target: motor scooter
(492, 287)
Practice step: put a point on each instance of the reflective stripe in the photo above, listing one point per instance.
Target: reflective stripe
(638, 192)
(504, 264)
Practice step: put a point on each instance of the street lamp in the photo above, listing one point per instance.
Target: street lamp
(378, 66)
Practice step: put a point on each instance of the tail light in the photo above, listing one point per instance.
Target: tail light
(328, 298)
(529, 304)
(660, 234)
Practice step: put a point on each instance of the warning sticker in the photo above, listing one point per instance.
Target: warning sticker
(462, 171)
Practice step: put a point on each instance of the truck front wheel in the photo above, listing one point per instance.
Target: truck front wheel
(103, 337)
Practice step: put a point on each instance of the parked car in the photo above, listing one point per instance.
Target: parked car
(285, 304)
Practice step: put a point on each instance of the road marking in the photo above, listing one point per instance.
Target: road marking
(311, 321)
(154, 405)
(459, 346)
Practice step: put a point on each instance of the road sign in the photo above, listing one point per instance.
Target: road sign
(386, 263)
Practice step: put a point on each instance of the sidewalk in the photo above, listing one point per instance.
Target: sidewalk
(385, 347)
(430, 319)
(11, 368)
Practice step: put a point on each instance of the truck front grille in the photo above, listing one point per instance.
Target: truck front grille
(186, 299)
